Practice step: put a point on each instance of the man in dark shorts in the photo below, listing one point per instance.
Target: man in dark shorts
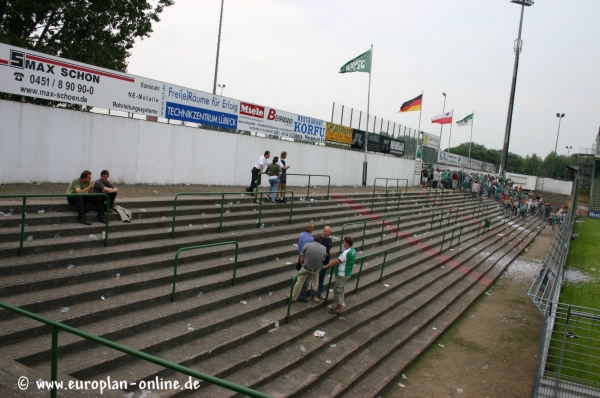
(283, 179)
(82, 186)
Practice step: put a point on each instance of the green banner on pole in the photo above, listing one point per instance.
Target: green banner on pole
(362, 63)
(419, 154)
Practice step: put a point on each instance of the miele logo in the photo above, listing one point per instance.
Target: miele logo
(252, 110)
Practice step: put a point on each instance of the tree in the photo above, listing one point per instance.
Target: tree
(97, 32)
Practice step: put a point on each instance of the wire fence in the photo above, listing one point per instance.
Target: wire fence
(568, 360)
(357, 119)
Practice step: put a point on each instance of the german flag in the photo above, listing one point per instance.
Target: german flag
(412, 105)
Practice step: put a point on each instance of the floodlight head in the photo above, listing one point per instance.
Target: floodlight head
(444, 94)
(558, 115)
(523, 2)
(562, 115)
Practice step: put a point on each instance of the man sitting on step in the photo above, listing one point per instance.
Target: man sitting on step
(105, 186)
(82, 186)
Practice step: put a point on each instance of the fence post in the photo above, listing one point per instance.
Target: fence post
(54, 364)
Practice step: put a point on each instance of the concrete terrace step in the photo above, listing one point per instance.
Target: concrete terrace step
(44, 237)
(371, 316)
(137, 311)
(24, 264)
(90, 284)
(149, 296)
(75, 361)
(384, 373)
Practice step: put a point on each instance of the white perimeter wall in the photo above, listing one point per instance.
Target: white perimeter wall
(46, 144)
(556, 186)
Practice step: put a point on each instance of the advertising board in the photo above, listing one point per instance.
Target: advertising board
(30, 73)
(377, 143)
(431, 141)
(273, 121)
(338, 134)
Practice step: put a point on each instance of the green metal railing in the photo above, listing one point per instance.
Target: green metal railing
(362, 260)
(387, 194)
(260, 205)
(452, 238)
(56, 326)
(183, 249)
(24, 205)
(383, 224)
(313, 175)
(390, 179)
(433, 214)
(294, 280)
(223, 206)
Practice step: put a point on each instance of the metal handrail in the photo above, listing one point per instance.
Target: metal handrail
(223, 205)
(362, 259)
(364, 228)
(130, 351)
(25, 196)
(388, 179)
(313, 175)
(452, 238)
(294, 280)
(183, 249)
(386, 198)
(260, 203)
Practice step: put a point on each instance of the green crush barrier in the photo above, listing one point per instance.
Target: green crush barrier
(362, 259)
(383, 224)
(313, 175)
(223, 205)
(183, 249)
(24, 206)
(391, 179)
(56, 326)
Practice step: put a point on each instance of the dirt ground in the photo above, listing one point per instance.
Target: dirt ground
(490, 352)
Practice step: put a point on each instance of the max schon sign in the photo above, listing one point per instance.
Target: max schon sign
(377, 143)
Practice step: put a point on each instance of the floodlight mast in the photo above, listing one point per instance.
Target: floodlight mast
(517, 48)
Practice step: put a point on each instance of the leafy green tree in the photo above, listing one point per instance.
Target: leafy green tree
(97, 32)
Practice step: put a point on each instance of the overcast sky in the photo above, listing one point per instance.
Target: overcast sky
(287, 54)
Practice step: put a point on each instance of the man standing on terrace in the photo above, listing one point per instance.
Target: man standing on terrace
(311, 259)
(343, 271)
(259, 167)
(82, 186)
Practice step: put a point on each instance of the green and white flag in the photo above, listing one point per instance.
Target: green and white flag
(467, 121)
(362, 63)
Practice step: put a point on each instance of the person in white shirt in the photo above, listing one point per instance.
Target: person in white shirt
(258, 168)
(436, 178)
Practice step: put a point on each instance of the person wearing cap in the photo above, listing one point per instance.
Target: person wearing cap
(311, 259)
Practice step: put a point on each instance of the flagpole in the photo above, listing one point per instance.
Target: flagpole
(419, 131)
(420, 112)
(450, 137)
(367, 129)
(471, 140)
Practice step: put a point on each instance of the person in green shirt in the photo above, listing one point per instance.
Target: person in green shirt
(342, 271)
(80, 187)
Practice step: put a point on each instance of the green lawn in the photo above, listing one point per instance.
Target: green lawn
(584, 256)
(582, 355)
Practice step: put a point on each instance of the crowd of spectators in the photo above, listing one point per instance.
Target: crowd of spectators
(513, 199)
